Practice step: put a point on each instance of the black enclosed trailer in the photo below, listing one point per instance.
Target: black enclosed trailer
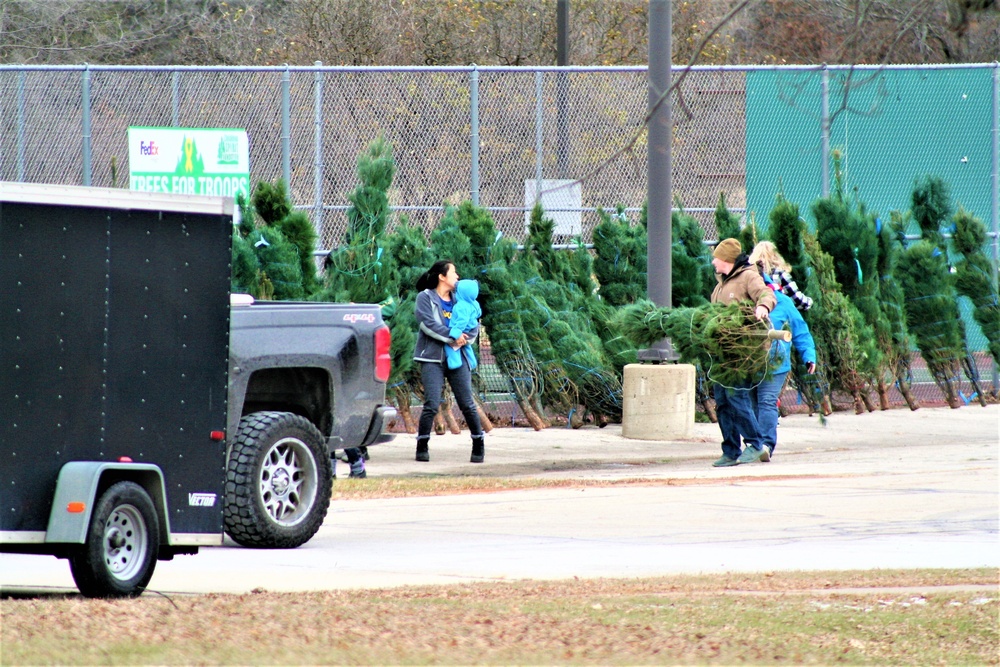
(114, 334)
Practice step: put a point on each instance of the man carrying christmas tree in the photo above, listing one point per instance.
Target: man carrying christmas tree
(739, 281)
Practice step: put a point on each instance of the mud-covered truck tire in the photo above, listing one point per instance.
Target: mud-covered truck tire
(278, 481)
(123, 540)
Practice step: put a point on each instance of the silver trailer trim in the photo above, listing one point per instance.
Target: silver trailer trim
(76, 195)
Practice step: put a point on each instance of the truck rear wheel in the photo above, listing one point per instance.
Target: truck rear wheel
(123, 539)
(278, 481)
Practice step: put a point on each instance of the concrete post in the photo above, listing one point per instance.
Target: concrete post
(658, 401)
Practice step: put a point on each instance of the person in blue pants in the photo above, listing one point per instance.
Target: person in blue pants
(739, 281)
(765, 395)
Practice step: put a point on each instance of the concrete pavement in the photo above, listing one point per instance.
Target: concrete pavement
(895, 489)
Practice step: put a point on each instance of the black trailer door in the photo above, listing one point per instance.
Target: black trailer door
(113, 344)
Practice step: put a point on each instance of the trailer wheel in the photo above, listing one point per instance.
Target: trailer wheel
(278, 481)
(123, 539)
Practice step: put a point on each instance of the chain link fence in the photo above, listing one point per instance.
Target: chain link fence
(488, 134)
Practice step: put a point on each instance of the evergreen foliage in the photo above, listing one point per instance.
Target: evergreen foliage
(931, 315)
(266, 263)
(847, 234)
(354, 269)
(727, 225)
(898, 349)
(692, 274)
(407, 258)
(785, 231)
(620, 258)
(837, 328)
(726, 340)
(975, 277)
(931, 206)
(931, 305)
(279, 264)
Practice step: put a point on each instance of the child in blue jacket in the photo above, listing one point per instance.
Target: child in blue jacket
(465, 316)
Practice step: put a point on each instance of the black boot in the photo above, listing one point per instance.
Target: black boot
(422, 452)
(478, 448)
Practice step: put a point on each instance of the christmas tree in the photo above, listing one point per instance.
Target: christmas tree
(785, 231)
(975, 277)
(354, 269)
(931, 311)
(620, 258)
(898, 349)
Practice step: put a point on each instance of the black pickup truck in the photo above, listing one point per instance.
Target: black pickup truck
(141, 414)
(305, 379)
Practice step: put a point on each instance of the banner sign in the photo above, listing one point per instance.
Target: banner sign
(189, 161)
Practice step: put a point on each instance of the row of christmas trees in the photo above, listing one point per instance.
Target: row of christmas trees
(562, 324)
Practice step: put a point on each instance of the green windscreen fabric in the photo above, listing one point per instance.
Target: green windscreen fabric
(892, 126)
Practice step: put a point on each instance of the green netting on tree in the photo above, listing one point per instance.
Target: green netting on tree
(620, 258)
(727, 225)
(833, 322)
(975, 276)
(847, 234)
(246, 267)
(725, 340)
(785, 231)
(354, 269)
(931, 315)
(279, 264)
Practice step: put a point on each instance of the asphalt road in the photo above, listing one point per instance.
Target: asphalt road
(895, 489)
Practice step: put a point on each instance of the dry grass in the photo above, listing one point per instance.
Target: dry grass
(879, 617)
(898, 617)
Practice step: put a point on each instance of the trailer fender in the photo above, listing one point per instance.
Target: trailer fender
(76, 493)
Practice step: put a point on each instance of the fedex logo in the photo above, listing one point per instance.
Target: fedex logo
(148, 148)
(359, 317)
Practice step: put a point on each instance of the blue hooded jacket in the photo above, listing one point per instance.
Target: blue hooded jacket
(785, 311)
(465, 316)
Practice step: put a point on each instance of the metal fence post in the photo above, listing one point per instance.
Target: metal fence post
(996, 197)
(318, 147)
(286, 126)
(539, 132)
(20, 126)
(825, 130)
(85, 103)
(474, 121)
(175, 100)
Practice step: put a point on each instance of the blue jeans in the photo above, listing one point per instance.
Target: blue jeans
(734, 410)
(460, 379)
(765, 405)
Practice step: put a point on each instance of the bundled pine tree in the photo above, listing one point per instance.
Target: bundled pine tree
(785, 231)
(898, 349)
(727, 340)
(468, 235)
(837, 327)
(975, 276)
(552, 305)
(620, 258)
(407, 257)
(847, 234)
(692, 276)
(277, 272)
(931, 310)
(354, 269)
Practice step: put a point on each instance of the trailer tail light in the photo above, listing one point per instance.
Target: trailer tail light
(75, 507)
(383, 358)
(218, 436)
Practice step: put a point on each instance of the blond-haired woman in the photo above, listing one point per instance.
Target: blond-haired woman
(772, 264)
